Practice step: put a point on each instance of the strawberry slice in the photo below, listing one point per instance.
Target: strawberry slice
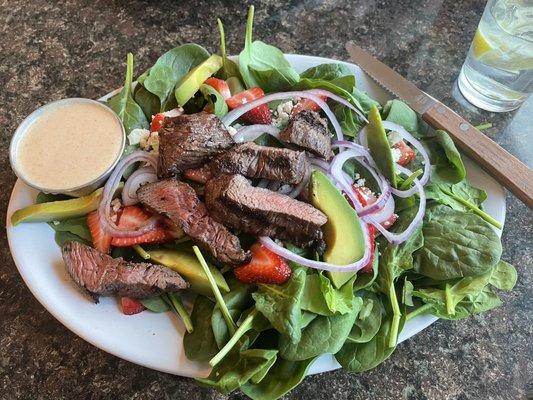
(101, 240)
(306, 104)
(220, 86)
(265, 267)
(372, 238)
(407, 153)
(131, 306)
(157, 121)
(133, 217)
(258, 115)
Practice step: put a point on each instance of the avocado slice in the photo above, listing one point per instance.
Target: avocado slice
(379, 146)
(58, 210)
(187, 265)
(344, 237)
(190, 83)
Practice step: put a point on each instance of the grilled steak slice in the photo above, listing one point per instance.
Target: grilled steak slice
(255, 161)
(308, 131)
(231, 200)
(188, 141)
(103, 275)
(179, 202)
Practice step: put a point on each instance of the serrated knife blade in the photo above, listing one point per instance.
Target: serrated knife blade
(503, 166)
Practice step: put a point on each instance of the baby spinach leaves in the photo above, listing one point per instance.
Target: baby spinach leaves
(123, 104)
(368, 321)
(163, 76)
(215, 99)
(200, 345)
(263, 65)
(456, 244)
(280, 304)
(322, 335)
(320, 297)
(229, 68)
(446, 163)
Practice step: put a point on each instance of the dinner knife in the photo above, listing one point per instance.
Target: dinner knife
(500, 164)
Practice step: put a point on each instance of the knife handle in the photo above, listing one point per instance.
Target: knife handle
(503, 166)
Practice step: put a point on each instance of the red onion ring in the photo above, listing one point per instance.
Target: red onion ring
(107, 224)
(289, 255)
(386, 212)
(133, 183)
(251, 132)
(232, 116)
(339, 99)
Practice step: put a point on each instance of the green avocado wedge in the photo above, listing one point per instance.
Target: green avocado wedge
(187, 265)
(190, 83)
(379, 146)
(343, 233)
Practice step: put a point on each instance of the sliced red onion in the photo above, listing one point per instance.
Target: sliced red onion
(386, 212)
(232, 116)
(289, 255)
(107, 224)
(362, 137)
(346, 184)
(135, 181)
(321, 164)
(339, 99)
(354, 146)
(175, 112)
(251, 132)
(397, 238)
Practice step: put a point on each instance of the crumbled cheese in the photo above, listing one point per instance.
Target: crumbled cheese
(56, 222)
(116, 204)
(282, 114)
(360, 182)
(396, 154)
(232, 131)
(137, 135)
(356, 176)
(150, 143)
(394, 137)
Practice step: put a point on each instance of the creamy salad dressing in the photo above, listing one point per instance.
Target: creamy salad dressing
(71, 145)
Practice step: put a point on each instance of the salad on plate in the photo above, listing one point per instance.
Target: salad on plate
(280, 215)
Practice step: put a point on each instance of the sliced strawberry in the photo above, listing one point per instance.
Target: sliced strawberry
(157, 121)
(407, 153)
(265, 267)
(260, 114)
(131, 306)
(101, 240)
(306, 104)
(220, 86)
(372, 236)
(133, 217)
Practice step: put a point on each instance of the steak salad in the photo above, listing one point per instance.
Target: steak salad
(305, 217)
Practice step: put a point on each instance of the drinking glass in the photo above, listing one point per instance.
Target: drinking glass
(497, 74)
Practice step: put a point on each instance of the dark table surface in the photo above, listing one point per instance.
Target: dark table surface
(55, 49)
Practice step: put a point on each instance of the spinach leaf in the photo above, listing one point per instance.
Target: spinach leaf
(281, 378)
(394, 260)
(161, 79)
(360, 357)
(453, 300)
(155, 304)
(407, 293)
(123, 104)
(280, 304)
(149, 102)
(365, 279)
(329, 72)
(322, 335)
(320, 297)
(263, 65)
(398, 112)
(215, 99)
(446, 163)
(237, 300)
(200, 345)
(76, 226)
(61, 237)
(229, 68)
(460, 196)
(456, 244)
(238, 368)
(368, 321)
(364, 100)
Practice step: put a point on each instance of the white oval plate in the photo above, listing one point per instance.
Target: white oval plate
(149, 339)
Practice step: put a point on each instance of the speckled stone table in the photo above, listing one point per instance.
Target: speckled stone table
(55, 49)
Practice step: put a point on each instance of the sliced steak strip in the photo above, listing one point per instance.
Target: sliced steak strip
(308, 131)
(255, 161)
(103, 275)
(188, 141)
(179, 202)
(231, 200)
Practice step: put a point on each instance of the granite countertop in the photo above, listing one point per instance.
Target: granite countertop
(51, 50)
